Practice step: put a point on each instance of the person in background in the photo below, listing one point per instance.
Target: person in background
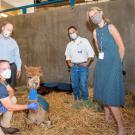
(8, 100)
(79, 54)
(9, 50)
(108, 78)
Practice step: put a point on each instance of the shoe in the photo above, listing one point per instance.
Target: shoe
(78, 104)
(10, 130)
(88, 103)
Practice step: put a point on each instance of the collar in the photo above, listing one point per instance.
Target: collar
(77, 41)
(1, 36)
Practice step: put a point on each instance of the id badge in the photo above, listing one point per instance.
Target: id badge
(101, 55)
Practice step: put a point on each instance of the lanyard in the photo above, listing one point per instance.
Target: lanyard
(101, 42)
(101, 36)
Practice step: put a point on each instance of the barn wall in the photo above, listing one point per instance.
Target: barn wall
(42, 37)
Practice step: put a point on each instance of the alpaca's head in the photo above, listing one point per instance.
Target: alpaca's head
(33, 74)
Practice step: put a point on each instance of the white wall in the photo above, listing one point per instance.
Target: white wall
(18, 3)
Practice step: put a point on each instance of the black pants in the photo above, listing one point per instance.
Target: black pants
(12, 80)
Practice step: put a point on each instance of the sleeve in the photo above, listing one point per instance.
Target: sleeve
(90, 51)
(3, 92)
(17, 57)
(67, 53)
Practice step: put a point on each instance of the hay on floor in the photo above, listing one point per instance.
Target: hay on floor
(69, 121)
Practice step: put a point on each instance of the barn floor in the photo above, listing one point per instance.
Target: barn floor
(70, 121)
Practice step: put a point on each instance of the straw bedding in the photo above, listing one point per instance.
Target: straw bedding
(67, 120)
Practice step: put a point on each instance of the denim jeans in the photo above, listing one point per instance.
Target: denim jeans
(12, 80)
(79, 78)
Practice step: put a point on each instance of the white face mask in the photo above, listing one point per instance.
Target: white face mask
(6, 34)
(6, 74)
(73, 36)
(97, 18)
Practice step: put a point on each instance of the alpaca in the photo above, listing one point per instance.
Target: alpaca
(33, 82)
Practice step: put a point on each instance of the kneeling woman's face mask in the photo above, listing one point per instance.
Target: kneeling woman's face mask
(6, 74)
(97, 18)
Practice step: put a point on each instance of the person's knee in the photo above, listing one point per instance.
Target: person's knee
(14, 100)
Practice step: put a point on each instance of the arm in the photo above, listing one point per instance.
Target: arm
(68, 57)
(90, 53)
(95, 40)
(12, 107)
(89, 60)
(10, 91)
(8, 87)
(118, 40)
(7, 103)
(69, 63)
(18, 61)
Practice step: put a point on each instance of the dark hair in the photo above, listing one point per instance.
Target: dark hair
(2, 61)
(72, 27)
(5, 23)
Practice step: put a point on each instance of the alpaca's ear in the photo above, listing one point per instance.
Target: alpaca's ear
(25, 67)
(40, 71)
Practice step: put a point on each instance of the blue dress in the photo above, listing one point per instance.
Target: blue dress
(108, 78)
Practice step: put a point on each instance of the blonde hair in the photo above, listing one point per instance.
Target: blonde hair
(106, 19)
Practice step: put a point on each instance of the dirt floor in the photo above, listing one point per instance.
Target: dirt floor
(67, 120)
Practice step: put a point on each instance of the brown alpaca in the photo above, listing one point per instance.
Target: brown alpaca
(41, 116)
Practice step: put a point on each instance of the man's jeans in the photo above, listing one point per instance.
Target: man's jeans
(12, 80)
(79, 77)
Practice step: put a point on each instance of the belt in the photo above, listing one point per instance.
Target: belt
(78, 64)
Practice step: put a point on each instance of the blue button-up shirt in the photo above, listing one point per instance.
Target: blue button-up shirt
(9, 50)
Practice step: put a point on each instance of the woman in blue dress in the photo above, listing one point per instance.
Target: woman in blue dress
(108, 78)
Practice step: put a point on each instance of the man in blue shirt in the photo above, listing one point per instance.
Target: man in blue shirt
(8, 100)
(9, 50)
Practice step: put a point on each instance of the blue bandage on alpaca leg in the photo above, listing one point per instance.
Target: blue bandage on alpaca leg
(33, 94)
(42, 102)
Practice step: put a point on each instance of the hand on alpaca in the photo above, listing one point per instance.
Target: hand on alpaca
(32, 106)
